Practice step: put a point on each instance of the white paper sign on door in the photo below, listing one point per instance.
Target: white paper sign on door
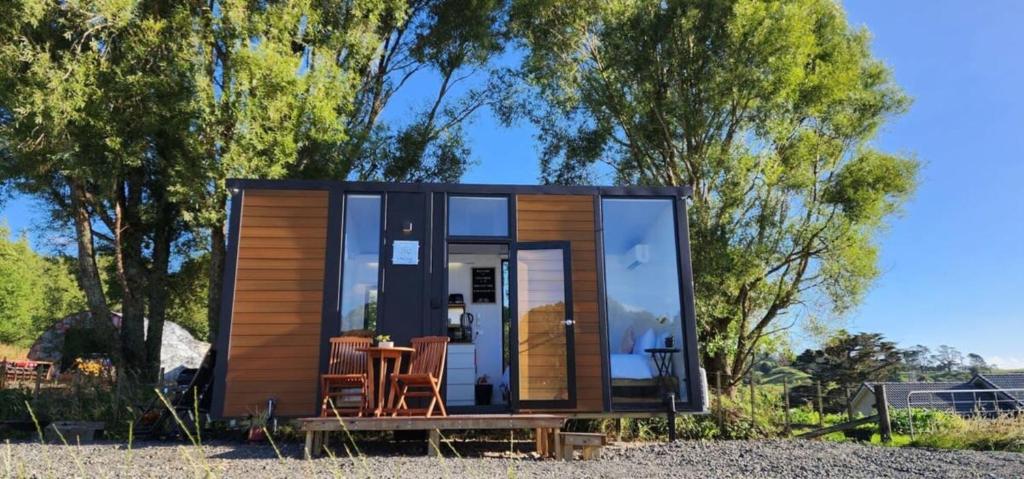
(405, 252)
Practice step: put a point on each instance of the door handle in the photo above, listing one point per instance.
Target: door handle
(570, 322)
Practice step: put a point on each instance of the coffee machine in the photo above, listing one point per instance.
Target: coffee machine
(460, 321)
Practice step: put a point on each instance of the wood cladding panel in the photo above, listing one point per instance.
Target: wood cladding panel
(274, 348)
(571, 218)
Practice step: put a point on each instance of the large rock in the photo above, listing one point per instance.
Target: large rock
(179, 350)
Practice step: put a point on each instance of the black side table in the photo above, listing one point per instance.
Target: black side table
(663, 360)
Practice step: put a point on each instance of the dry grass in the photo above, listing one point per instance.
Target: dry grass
(11, 351)
(1004, 433)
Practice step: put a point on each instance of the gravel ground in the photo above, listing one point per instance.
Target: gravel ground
(754, 459)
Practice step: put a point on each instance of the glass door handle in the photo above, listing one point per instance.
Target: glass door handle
(570, 322)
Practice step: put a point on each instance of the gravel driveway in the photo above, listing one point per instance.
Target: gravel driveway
(690, 459)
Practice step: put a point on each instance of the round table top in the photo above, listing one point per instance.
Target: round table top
(378, 349)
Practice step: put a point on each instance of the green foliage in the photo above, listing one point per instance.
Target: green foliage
(128, 116)
(981, 434)
(187, 295)
(846, 361)
(86, 342)
(35, 291)
(767, 109)
(790, 375)
(924, 420)
(12, 404)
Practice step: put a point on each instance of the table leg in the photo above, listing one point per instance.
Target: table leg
(381, 384)
(370, 389)
(397, 368)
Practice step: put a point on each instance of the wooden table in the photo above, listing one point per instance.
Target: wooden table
(382, 356)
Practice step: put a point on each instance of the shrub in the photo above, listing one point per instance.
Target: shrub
(924, 420)
(86, 341)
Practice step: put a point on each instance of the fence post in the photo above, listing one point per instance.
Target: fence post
(3, 374)
(785, 397)
(753, 422)
(718, 399)
(821, 409)
(849, 405)
(882, 405)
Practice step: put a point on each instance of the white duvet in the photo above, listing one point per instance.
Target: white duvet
(631, 366)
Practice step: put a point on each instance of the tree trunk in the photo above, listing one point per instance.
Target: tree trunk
(157, 288)
(133, 343)
(718, 363)
(218, 254)
(88, 273)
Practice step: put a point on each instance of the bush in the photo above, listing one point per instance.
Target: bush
(86, 341)
(924, 420)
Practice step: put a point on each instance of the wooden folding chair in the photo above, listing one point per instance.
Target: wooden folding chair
(345, 383)
(424, 376)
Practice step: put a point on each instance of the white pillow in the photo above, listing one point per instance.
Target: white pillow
(646, 341)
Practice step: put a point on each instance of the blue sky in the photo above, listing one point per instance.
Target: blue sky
(953, 263)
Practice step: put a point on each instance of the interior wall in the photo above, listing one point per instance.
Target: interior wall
(487, 325)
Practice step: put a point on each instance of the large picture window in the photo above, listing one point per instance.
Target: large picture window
(478, 216)
(643, 304)
(361, 263)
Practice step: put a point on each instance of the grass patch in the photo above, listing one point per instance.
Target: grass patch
(11, 351)
(1000, 434)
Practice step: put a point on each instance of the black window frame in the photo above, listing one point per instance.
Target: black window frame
(381, 237)
(509, 217)
(688, 346)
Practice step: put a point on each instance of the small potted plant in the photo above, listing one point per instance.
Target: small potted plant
(384, 341)
(483, 391)
(258, 421)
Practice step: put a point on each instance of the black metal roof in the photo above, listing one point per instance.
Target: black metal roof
(898, 393)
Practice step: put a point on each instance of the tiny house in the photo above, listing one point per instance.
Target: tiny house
(556, 298)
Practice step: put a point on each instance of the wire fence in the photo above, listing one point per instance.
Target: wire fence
(783, 408)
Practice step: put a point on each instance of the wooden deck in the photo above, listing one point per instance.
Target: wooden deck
(545, 425)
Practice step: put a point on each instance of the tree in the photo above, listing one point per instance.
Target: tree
(917, 360)
(977, 364)
(20, 289)
(127, 117)
(766, 109)
(947, 358)
(35, 291)
(848, 360)
(381, 46)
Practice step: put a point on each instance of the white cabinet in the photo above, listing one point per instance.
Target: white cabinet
(461, 374)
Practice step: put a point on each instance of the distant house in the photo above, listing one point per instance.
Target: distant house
(1007, 394)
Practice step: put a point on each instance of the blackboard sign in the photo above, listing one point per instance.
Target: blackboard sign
(483, 285)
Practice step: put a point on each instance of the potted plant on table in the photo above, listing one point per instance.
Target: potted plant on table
(384, 341)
